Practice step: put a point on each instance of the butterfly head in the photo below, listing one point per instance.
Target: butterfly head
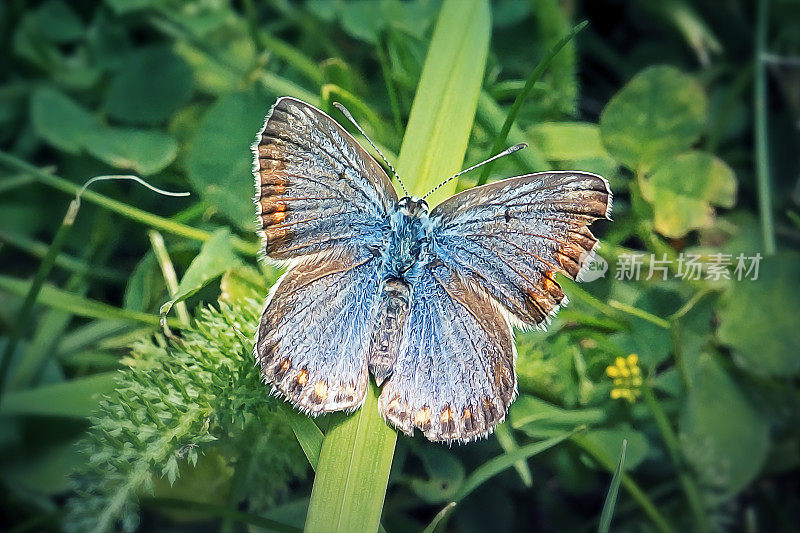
(412, 206)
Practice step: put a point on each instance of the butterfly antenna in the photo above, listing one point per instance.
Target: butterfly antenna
(504, 153)
(347, 114)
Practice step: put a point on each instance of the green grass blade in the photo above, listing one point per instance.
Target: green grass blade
(353, 472)
(356, 456)
(39, 249)
(76, 398)
(659, 521)
(121, 208)
(220, 511)
(34, 289)
(761, 133)
(491, 116)
(440, 516)
(80, 306)
(613, 490)
(494, 466)
(307, 432)
(500, 140)
(505, 436)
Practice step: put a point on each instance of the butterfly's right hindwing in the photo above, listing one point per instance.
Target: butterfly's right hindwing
(453, 377)
(312, 340)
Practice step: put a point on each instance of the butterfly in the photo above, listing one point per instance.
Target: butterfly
(424, 300)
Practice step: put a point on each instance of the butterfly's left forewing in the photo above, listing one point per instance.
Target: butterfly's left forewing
(513, 236)
(317, 189)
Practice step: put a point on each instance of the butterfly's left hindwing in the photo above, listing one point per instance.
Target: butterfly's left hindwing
(454, 373)
(322, 202)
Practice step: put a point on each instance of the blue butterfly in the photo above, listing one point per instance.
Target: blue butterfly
(425, 300)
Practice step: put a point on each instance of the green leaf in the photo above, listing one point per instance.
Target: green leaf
(123, 7)
(658, 114)
(150, 87)
(722, 434)
(445, 475)
(60, 121)
(568, 141)
(76, 398)
(144, 284)
(649, 341)
(220, 161)
(363, 19)
(608, 442)
(758, 318)
(215, 257)
(684, 189)
(145, 152)
(60, 22)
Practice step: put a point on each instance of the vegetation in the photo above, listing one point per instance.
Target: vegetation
(662, 399)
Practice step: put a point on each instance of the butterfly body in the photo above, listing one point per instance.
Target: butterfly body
(408, 242)
(423, 300)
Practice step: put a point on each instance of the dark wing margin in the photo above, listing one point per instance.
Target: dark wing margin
(513, 236)
(316, 187)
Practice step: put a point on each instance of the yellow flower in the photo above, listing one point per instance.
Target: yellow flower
(627, 376)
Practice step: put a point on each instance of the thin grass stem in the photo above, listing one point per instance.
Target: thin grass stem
(761, 133)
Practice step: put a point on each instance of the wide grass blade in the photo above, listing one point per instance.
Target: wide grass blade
(444, 107)
(356, 456)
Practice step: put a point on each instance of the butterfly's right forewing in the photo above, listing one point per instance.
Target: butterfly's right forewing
(322, 202)
(317, 189)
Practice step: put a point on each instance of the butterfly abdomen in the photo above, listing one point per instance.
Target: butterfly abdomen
(388, 328)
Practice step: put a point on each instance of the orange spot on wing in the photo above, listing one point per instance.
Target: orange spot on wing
(422, 416)
(447, 415)
(302, 377)
(321, 389)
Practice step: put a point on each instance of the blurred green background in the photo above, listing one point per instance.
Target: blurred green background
(690, 109)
